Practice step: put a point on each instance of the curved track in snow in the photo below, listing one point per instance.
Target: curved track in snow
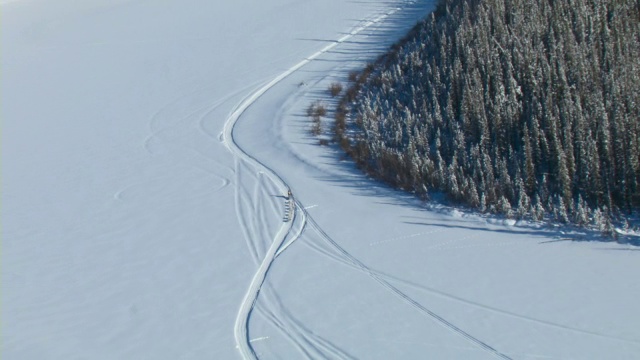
(278, 244)
(248, 302)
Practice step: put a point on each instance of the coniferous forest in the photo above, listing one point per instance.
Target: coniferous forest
(528, 108)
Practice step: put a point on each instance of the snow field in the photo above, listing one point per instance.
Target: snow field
(147, 150)
(522, 292)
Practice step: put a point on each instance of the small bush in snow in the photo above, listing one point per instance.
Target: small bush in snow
(353, 76)
(335, 89)
(316, 109)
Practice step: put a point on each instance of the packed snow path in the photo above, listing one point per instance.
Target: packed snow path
(241, 325)
(301, 334)
(116, 192)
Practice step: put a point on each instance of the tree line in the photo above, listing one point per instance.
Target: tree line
(528, 108)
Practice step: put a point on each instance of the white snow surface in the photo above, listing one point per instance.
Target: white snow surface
(147, 151)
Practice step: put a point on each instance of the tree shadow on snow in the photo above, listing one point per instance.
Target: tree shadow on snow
(438, 210)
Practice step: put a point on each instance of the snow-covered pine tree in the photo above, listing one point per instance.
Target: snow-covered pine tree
(495, 96)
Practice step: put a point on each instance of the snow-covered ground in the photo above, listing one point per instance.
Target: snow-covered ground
(147, 149)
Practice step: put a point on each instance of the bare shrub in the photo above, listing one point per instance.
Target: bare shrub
(316, 126)
(317, 109)
(335, 89)
(311, 109)
(351, 94)
(321, 110)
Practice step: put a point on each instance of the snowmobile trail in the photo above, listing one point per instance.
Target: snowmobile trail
(243, 343)
(241, 323)
(147, 211)
(288, 231)
(394, 290)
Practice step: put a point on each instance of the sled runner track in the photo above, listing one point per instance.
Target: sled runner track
(241, 324)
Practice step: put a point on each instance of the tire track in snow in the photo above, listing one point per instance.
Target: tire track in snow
(506, 312)
(241, 324)
(156, 128)
(376, 276)
(246, 224)
(298, 233)
(316, 344)
(444, 295)
(248, 302)
(306, 341)
(169, 118)
(293, 337)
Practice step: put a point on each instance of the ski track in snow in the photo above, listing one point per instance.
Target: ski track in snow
(241, 324)
(259, 202)
(394, 290)
(340, 255)
(243, 342)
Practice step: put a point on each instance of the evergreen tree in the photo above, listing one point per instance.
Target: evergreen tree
(498, 102)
